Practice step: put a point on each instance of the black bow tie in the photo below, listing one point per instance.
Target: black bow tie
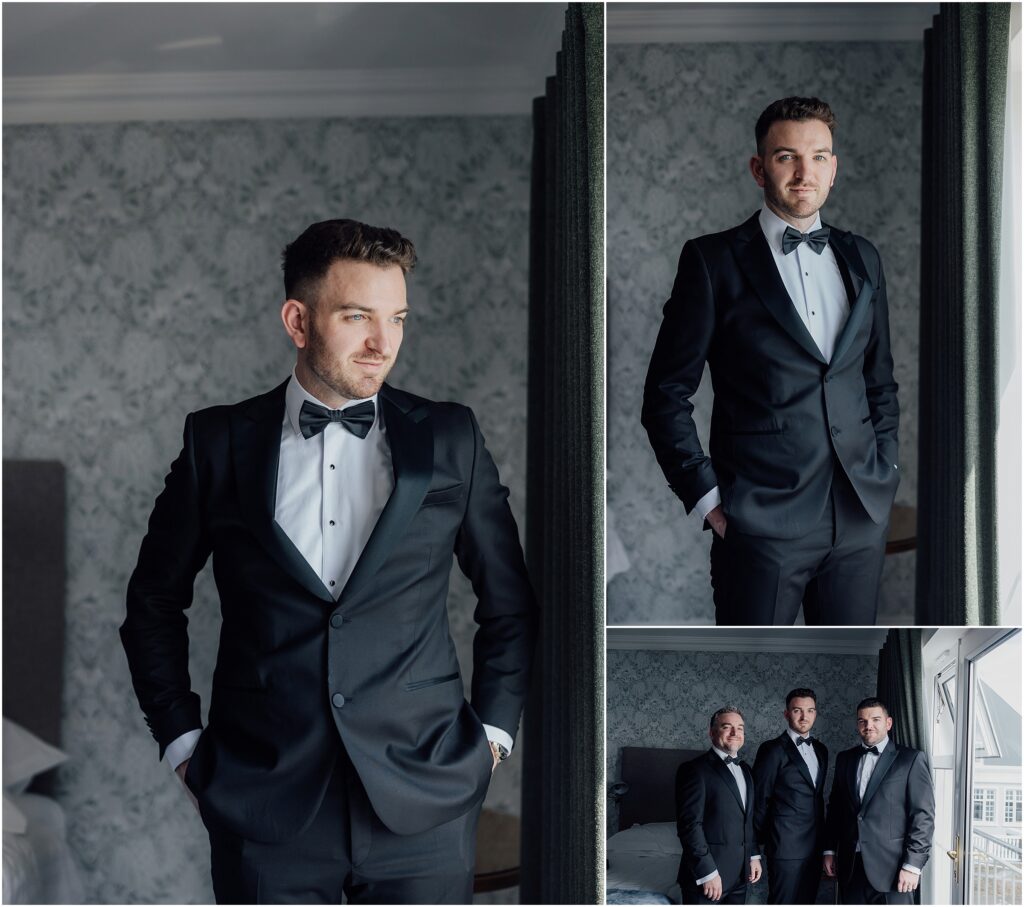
(728, 760)
(800, 741)
(816, 239)
(870, 749)
(313, 419)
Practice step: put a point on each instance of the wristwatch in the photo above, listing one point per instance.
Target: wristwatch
(501, 752)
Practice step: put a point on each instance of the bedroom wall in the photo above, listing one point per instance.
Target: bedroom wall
(141, 281)
(680, 133)
(665, 699)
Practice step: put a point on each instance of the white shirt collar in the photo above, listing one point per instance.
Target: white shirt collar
(793, 735)
(295, 395)
(774, 226)
(722, 753)
(882, 744)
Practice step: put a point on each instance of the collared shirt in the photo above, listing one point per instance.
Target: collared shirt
(816, 289)
(331, 490)
(807, 752)
(741, 783)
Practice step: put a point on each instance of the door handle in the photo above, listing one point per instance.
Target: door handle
(954, 855)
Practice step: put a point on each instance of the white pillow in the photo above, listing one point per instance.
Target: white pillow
(26, 756)
(652, 838)
(14, 818)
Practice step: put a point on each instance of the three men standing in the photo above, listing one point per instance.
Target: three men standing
(875, 838)
(791, 317)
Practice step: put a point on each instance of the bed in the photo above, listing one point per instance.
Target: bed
(38, 864)
(643, 855)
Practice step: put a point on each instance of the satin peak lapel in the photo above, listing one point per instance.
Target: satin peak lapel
(846, 252)
(755, 258)
(885, 762)
(411, 439)
(256, 448)
(727, 779)
(793, 753)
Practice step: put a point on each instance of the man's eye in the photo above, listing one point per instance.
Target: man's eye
(356, 317)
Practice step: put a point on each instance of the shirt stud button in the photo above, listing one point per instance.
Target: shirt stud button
(332, 466)
(331, 522)
(332, 582)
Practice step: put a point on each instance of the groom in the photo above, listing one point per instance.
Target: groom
(792, 319)
(340, 755)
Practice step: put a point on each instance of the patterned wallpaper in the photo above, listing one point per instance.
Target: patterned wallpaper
(680, 133)
(665, 699)
(141, 281)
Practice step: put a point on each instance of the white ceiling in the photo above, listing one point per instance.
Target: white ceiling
(695, 23)
(82, 61)
(830, 640)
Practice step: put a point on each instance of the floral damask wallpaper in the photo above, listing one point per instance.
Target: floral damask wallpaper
(680, 133)
(666, 699)
(141, 280)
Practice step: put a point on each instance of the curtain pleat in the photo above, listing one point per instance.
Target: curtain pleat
(563, 808)
(900, 686)
(964, 94)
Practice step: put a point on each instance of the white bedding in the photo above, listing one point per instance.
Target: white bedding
(645, 858)
(39, 867)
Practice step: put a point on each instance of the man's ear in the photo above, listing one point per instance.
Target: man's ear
(295, 317)
(757, 170)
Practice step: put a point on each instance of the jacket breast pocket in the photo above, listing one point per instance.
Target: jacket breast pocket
(442, 495)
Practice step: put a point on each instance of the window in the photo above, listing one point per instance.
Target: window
(1012, 807)
(984, 804)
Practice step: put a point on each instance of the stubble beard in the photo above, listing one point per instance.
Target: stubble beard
(776, 201)
(332, 374)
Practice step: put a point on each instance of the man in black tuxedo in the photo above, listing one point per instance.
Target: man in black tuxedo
(789, 803)
(340, 753)
(792, 319)
(881, 815)
(715, 809)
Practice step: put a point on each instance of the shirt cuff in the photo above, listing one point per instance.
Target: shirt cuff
(708, 503)
(497, 735)
(828, 853)
(912, 869)
(756, 856)
(180, 749)
(713, 875)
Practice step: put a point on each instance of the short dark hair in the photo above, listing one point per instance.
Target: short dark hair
(725, 710)
(306, 261)
(873, 702)
(800, 693)
(792, 109)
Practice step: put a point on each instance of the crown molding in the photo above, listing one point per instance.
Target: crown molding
(702, 23)
(805, 640)
(104, 98)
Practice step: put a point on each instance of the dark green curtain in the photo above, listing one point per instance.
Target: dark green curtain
(900, 686)
(964, 94)
(563, 809)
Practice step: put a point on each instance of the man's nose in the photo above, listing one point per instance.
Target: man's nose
(379, 340)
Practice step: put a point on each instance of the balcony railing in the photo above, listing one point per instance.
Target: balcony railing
(995, 870)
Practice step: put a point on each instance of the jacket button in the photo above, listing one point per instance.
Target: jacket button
(336, 621)
(835, 431)
(337, 700)
(828, 378)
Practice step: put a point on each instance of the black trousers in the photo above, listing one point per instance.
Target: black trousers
(834, 570)
(794, 881)
(857, 889)
(347, 849)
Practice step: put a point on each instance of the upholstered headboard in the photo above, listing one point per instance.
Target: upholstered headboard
(649, 774)
(34, 577)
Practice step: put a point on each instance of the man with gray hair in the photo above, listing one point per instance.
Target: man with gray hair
(715, 818)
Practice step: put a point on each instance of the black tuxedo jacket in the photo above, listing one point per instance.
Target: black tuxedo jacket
(895, 820)
(297, 670)
(714, 828)
(789, 808)
(781, 413)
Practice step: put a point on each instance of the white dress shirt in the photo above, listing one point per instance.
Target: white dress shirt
(816, 289)
(331, 490)
(807, 752)
(865, 769)
(741, 782)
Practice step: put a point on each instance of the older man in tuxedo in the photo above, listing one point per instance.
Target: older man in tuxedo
(791, 317)
(789, 802)
(340, 755)
(881, 815)
(715, 818)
